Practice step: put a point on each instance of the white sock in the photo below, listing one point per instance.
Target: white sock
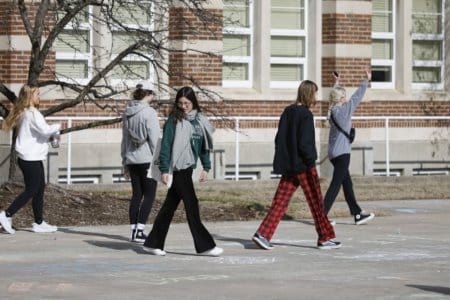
(133, 226)
(140, 226)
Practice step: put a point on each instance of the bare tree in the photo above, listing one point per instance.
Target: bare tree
(142, 29)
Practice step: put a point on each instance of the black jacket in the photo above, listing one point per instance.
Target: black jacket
(295, 143)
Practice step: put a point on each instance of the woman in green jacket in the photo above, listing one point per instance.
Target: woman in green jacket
(187, 136)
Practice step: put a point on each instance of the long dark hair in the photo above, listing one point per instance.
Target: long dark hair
(186, 91)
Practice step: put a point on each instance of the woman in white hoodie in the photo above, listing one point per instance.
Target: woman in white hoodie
(33, 134)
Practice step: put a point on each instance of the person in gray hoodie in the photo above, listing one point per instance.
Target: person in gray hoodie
(339, 146)
(140, 134)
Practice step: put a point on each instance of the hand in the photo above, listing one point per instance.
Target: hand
(337, 78)
(126, 173)
(165, 178)
(203, 176)
(368, 71)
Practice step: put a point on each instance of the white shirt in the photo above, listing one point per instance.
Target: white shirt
(33, 134)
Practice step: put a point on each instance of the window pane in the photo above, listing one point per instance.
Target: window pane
(427, 6)
(133, 14)
(285, 46)
(235, 71)
(236, 45)
(382, 5)
(122, 40)
(281, 72)
(72, 69)
(427, 50)
(72, 41)
(427, 74)
(236, 13)
(382, 49)
(381, 74)
(382, 22)
(427, 24)
(288, 14)
(382, 16)
(131, 70)
(427, 16)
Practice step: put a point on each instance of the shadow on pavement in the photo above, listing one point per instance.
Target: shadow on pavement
(430, 288)
(247, 243)
(90, 233)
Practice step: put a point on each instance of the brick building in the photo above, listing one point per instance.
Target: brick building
(262, 50)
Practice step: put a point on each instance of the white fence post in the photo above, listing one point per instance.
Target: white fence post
(236, 128)
(69, 153)
(386, 128)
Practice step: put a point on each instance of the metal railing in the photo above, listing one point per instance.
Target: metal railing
(237, 120)
(386, 120)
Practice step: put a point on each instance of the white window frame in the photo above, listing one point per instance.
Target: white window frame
(88, 56)
(422, 63)
(241, 59)
(291, 61)
(133, 58)
(387, 62)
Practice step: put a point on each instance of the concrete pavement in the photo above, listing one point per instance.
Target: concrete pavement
(404, 255)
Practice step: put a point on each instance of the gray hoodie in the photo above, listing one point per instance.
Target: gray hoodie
(141, 120)
(338, 143)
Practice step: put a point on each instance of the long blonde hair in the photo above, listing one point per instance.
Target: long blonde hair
(23, 102)
(336, 95)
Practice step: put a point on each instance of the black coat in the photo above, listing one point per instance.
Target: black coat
(295, 143)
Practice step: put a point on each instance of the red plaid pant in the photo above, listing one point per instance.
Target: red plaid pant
(309, 181)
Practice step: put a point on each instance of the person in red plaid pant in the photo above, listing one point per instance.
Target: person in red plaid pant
(295, 159)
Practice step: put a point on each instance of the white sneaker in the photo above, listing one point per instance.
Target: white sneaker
(6, 223)
(44, 228)
(216, 251)
(154, 251)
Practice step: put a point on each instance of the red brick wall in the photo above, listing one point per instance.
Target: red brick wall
(346, 29)
(351, 69)
(203, 69)
(14, 64)
(184, 24)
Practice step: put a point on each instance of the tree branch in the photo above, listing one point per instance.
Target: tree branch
(91, 125)
(25, 19)
(86, 90)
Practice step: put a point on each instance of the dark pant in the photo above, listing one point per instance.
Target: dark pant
(341, 176)
(142, 187)
(182, 189)
(34, 178)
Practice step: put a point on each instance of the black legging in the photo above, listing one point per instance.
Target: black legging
(341, 176)
(141, 186)
(182, 189)
(34, 178)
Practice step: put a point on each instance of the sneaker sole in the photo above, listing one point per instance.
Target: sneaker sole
(364, 221)
(140, 241)
(217, 254)
(152, 252)
(260, 244)
(44, 231)
(329, 247)
(8, 230)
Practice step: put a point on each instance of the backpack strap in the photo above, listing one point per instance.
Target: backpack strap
(340, 128)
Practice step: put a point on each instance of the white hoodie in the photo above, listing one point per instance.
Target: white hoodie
(33, 134)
